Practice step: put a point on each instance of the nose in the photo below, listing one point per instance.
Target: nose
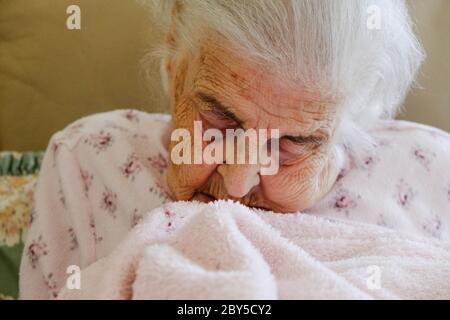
(239, 179)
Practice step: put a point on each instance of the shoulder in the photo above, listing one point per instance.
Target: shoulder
(122, 150)
(401, 135)
(402, 182)
(413, 154)
(401, 152)
(102, 129)
(104, 140)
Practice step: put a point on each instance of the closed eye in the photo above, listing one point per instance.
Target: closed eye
(223, 115)
(309, 140)
(217, 120)
(217, 114)
(293, 148)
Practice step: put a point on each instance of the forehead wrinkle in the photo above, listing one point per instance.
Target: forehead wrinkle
(216, 78)
(304, 122)
(220, 78)
(295, 117)
(230, 64)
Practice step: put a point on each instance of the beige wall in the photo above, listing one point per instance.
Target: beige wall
(431, 103)
(50, 76)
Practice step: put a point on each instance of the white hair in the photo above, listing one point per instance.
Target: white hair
(326, 46)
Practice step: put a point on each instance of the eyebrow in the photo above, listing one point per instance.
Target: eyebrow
(218, 107)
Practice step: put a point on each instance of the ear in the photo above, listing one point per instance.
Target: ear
(170, 76)
(164, 73)
(172, 34)
(167, 63)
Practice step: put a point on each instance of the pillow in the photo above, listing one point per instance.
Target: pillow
(18, 176)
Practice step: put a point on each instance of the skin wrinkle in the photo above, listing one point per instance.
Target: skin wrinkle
(261, 101)
(180, 77)
(211, 71)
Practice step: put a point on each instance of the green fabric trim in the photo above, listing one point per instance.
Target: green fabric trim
(9, 270)
(18, 164)
(15, 164)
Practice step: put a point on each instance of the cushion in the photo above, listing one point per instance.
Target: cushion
(18, 176)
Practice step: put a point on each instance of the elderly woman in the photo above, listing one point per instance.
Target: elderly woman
(327, 75)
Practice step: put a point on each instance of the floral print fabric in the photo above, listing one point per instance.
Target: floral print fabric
(17, 184)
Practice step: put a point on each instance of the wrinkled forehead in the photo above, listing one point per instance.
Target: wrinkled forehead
(247, 86)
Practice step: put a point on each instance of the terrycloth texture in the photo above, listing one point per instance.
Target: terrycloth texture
(382, 231)
(226, 251)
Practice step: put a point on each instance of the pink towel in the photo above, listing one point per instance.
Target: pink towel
(224, 250)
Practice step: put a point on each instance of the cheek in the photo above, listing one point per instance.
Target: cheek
(183, 114)
(296, 186)
(185, 179)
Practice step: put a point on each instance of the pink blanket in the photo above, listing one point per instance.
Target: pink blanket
(226, 251)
